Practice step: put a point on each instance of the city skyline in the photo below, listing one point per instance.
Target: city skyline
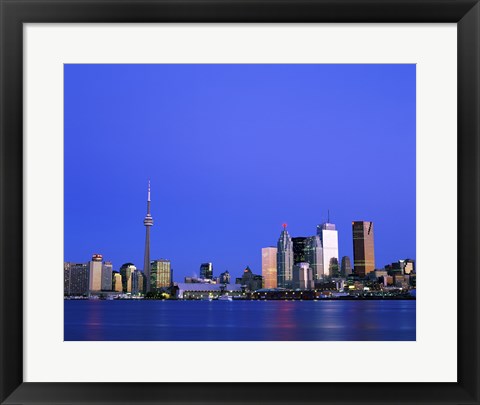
(302, 249)
(277, 263)
(195, 213)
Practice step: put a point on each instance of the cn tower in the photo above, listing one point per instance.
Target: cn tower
(148, 222)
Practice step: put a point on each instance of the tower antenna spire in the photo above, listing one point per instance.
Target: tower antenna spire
(148, 222)
(328, 218)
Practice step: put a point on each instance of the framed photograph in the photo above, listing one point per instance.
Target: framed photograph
(248, 188)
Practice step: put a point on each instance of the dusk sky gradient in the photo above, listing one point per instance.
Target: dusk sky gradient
(232, 152)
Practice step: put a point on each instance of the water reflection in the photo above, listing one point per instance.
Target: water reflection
(95, 324)
(240, 321)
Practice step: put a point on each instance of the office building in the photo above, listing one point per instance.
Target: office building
(224, 277)
(138, 282)
(314, 256)
(79, 279)
(409, 266)
(117, 282)
(363, 247)
(399, 280)
(395, 268)
(161, 274)
(299, 249)
(148, 222)
(107, 269)
(302, 277)
(346, 267)
(95, 273)
(126, 272)
(406, 266)
(66, 278)
(269, 267)
(329, 236)
(206, 270)
(284, 259)
(375, 275)
(334, 267)
(413, 280)
(251, 281)
(75, 278)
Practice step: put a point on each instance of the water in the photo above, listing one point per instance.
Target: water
(239, 320)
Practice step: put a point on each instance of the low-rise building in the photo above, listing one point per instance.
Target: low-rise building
(195, 291)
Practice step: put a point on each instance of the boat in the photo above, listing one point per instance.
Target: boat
(225, 298)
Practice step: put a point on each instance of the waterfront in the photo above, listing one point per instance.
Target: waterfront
(322, 320)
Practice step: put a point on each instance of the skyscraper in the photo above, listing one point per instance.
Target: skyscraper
(329, 237)
(75, 278)
(126, 272)
(95, 273)
(363, 250)
(346, 267)
(117, 281)
(284, 259)
(206, 271)
(299, 249)
(107, 269)
(161, 274)
(148, 222)
(269, 267)
(314, 256)
(137, 282)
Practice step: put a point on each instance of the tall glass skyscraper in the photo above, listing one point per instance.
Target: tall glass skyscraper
(329, 237)
(299, 249)
(284, 259)
(314, 256)
(160, 274)
(363, 250)
(269, 267)
(126, 272)
(107, 269)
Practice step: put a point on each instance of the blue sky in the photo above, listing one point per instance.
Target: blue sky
(232, 152)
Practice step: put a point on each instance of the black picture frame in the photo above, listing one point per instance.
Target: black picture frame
(465, 13)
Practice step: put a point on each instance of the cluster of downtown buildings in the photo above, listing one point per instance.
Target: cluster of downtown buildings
(296, 264)
(311, 262)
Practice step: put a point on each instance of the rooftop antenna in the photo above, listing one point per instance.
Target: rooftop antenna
(328, 218)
